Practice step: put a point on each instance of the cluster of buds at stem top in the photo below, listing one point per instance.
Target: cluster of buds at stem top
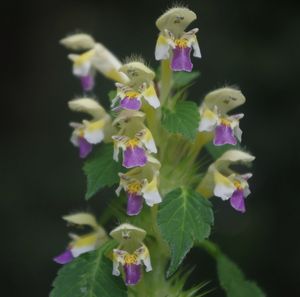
(223, 182)
(173, 42)
(131, 253)
(81, 244)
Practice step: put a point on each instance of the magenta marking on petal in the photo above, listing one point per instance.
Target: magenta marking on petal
(132, 274)
(181, 60)
(237, 201)
(85, 147)
(224, 135)
(131, 103)
(134, 156)
(87, 82)
(134, 204)
(64, 257)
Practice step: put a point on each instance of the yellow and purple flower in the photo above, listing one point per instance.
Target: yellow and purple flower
(94, 58)
(135, 149)
(223, 182)
(234, 188)
(140, 86)
(131, 253)
(84, 243)
(214, 118)
(174, 39)
(130, 99)
(89, 133)
(141, 184)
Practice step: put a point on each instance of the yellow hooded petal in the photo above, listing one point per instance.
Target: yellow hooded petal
(128, 232)
(225, 99)
(79, 41)
(89, 106)
(233, 156)
(137, 71)
(82, 218)
(176, 20)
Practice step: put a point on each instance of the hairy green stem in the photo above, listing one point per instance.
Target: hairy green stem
(166, 80)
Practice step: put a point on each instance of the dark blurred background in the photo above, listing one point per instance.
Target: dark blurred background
(253, 44)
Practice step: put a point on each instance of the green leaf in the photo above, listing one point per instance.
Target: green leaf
(112, 94)
(89, 275)
(231, 277)
(101, 170)
(184, 217)
(181, 79)
(184, 119)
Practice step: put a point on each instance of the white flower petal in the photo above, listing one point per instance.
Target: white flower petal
(82, 69)
(196, 48)
(116, 270)
(143, 255)
(151, 97)
(162, 48)
(238, 133)
(224, 188)
(152, 197)
(150, 192)
(74, 139)
(247, 192)
(118, 258)
(95, 136)
(146, 138)
(77, 251)
(209, 120)
(116, 152)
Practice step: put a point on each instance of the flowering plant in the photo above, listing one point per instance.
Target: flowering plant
(150, 147)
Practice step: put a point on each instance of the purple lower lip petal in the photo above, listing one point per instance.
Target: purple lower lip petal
(64, 257)
(85, 147)
(134, 204)
(224, 135)
(130, 103)
(237, 201)
(87, 82)
(134, 156)
(132, 274)
(181, 60)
